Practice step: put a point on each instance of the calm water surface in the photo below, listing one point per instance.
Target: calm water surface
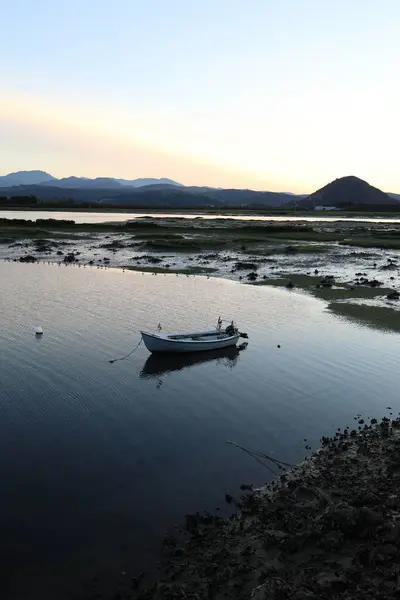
(101, 217)
(98, 460)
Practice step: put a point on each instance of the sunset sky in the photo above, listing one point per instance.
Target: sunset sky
(280, 95)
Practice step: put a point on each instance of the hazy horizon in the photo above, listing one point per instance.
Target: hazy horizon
(259, 95)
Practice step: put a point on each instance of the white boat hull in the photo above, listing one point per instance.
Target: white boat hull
(155, 342)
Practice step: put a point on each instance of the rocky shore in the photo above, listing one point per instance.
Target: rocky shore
(326, 529)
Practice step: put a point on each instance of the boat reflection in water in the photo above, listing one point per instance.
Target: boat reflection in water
(159, 364)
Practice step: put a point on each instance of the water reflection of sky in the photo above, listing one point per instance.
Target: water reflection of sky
(97, 460)
(100, 217)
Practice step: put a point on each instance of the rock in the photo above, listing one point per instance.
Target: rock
(69, 258)
(27, 259)
(304, 595)
(366, 556)
(367, 516)
(260, 593)
(60, 252)
(242, 265)
(304, 494)
(290, 285)
(252, 276)
(114, 245)
(393, 501)
(275, 535)
(388, 550)
(273, 566)
(330, 580)
(332, 540)
(393, 295)
(344, 517)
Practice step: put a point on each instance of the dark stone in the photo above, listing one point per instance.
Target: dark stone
(27, 259)
(303, 595)
(252, 276)
(388, 550)
(393, 295)
(114, 245)
(242, 266)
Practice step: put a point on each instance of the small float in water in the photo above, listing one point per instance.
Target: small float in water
(38, 331)
(196, 341)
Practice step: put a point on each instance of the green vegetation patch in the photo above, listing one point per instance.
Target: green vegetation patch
(340, 291)
(346, 292)
(301, 281)
(185, 271)
(379, 317)
(389, 243)
(158, 234)
(18, 233)
(182, 245)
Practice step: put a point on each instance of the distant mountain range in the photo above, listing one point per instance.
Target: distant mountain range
(43, 178)
(350, 193)
(25, 178)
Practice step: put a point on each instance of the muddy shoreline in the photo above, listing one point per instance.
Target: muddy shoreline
(354, 267)
(328, 528)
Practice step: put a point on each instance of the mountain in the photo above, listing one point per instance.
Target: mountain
(156, 195)
(347, 192)
(147, 181)
(107, 182)
(43, 178)
(25, 178)
(84, 183)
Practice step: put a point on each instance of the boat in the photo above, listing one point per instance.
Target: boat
(196, 341)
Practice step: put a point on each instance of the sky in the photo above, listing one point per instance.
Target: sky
(277, 95)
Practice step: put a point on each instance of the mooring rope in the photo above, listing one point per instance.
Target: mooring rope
(113, 360)
(259, 455)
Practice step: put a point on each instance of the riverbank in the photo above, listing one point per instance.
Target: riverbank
(329, 528)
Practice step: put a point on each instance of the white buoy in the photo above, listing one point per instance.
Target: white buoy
(38, 331)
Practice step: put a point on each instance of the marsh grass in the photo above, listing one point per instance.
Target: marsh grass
(379, 317)
(336, 292)
(162, 270)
